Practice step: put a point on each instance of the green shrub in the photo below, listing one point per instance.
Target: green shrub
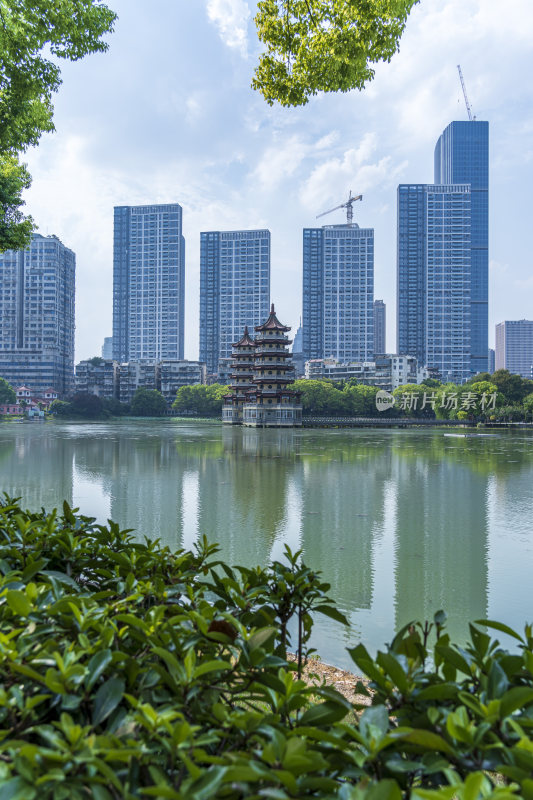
(129, 671)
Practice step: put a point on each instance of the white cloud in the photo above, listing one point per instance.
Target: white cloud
(280, 162)
(354, 170)
(283, 160)
(231, 18)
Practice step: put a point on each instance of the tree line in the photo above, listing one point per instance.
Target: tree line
(501, 396)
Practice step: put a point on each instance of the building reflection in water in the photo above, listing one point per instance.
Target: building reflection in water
(34, 467)
(441, 539)
(398, 522)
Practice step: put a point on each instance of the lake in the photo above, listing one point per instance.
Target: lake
(401, 522)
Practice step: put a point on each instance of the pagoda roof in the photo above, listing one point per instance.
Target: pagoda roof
(272, 323)
(245, 340)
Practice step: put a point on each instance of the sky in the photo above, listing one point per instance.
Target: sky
(168, 115)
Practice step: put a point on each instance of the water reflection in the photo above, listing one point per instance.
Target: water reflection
(401, 523)
(441, 542)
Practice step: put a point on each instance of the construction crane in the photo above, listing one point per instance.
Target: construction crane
(348, 205)
(468, 106)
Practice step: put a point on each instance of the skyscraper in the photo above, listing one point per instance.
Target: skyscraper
(514, 347)
(462, 156)
(434, 274)
(380, 327)
(234, 289)
(37, 289)
(338, 292)
(148, 283)
(107, 348)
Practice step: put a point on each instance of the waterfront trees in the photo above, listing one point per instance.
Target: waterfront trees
(81, 404)
(513, 387)
(7, 393)
(148, 403)
(200, 400)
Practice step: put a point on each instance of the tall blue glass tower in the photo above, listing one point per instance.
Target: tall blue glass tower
(234, 289)
(442, 314)
(338, 292)
(434, 277)
(148, 283)
(462, 156)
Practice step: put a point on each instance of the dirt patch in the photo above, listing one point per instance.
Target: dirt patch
(316, 672)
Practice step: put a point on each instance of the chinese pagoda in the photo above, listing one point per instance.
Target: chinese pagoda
(261, 397)
(241, 376)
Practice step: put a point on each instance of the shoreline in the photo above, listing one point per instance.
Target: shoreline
(316, 672)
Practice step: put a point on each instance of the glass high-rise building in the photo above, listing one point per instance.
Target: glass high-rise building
(443, 257)
(37, 288)
(234, 289)
(148, 283)
(338, 292)
(380, 327)
(514, 347)
(434, 269)
(462, 156)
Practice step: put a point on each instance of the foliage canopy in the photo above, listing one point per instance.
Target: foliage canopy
(7, 393)
(148, 403)
(29, 29)
(200, 399)
(324, 45)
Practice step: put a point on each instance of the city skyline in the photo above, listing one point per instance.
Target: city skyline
(153, 124)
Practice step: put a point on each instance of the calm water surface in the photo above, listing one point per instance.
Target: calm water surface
(401, 523)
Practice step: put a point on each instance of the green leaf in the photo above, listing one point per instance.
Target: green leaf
(498, 682)
(324, 714)
(440, 691)
(211, 666)
(361, 657)
(61, 577)
(100, 792)
(374, 717)
(17, 789)
(384, 790)
(18, 602)
(474, 784)
(499, 626)
(260, 637)
(451, 656)
(526, 787)
(96, 666)
(207, 785)
(107, 699)
(332, 613)
(163, 791)
(425, 739)
(394, 669)
(515, 698)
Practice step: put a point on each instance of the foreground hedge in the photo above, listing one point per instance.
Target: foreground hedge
(128, 671)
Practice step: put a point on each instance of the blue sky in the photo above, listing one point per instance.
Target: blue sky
(168, 115)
